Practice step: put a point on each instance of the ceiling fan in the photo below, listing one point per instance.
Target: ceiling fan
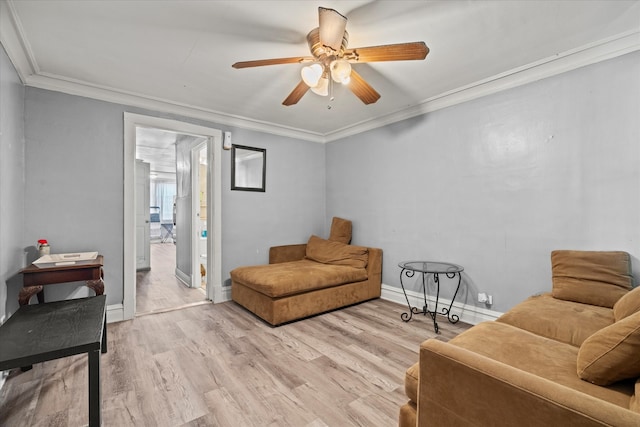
(331, 60)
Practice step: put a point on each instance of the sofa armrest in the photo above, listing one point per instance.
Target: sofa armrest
(286, 253)
(374, 266)
(460, 387)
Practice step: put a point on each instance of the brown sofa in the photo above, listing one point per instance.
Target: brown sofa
(567, 358)
(307, 279)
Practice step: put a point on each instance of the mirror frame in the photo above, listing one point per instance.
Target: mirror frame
(263, 175)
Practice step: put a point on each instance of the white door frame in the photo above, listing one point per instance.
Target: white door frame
(131, 121)
(143, 222)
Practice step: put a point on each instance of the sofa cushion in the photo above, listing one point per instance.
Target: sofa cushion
(627, 305)
(612, 354)
(294, 277)
(340, 230)
(591, 277)
(546, 358)
(411, 379)
(634, 405)
(566, 321)
(336, 253)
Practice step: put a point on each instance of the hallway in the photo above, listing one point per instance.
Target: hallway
(158, 289)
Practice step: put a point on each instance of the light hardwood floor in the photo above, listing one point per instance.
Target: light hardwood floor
(158, 289)
(218, 365)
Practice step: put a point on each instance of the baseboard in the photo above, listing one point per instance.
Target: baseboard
(468, 313)
(115, 313)
(183, 277)
(3, 374)
(225, 294)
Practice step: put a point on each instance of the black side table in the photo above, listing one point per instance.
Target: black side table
(409, 269)
(40, 332)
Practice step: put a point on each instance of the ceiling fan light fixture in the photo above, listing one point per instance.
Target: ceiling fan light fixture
(340, 71)
(322, 88)
(311, 74)
(332, 27)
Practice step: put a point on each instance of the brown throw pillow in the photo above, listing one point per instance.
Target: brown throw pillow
(591, 277)
(340, 230)
(627, 305)
(336, 253)
(611, 354)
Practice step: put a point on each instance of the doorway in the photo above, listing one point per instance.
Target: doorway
(190, 136)
(165, 279)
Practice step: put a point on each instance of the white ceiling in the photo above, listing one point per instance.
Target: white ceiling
(158, 148)
(176, 55)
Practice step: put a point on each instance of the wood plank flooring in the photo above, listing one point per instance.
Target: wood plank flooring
(218, 365)
(158, 289)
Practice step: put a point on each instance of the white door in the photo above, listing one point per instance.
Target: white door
(143, 226)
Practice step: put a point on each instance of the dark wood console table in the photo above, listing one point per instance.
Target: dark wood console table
(36, 276)
(40, 332)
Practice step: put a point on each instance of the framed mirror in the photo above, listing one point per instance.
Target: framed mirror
(248, 168)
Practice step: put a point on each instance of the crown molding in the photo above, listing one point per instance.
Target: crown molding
(14, 42)
(79, 88)
(20, 54)
(613, 47)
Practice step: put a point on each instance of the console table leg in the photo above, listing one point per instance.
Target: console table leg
(27, 292)
(96, 285)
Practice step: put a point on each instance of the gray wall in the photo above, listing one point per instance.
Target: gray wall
(495, 184)
(74, 187)
(289, 211)
(11, 184)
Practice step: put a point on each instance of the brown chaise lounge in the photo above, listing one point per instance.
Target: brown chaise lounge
(307, 279)
(567, 358)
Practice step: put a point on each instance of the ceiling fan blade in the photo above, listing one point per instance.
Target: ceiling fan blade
(362, 89)
(296, 94)
(390, 52)
(273, 61)
(332, 27)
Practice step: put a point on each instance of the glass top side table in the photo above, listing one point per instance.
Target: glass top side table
(410, 268)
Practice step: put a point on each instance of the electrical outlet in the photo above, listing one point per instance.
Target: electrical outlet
(489, 300)
(482, 297)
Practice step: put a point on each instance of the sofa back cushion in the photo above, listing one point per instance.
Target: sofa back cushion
(340, 230)
(336, 253)
(612, 354)
(627, 305)
(591, 277)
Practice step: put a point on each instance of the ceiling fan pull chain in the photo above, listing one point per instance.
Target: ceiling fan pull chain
(331, 98)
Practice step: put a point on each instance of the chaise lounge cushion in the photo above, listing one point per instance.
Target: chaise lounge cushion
(611, 354)
(336, 253)
(591, 277)
(290, 278)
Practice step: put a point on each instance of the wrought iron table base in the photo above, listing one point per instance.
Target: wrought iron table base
(453, 318)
